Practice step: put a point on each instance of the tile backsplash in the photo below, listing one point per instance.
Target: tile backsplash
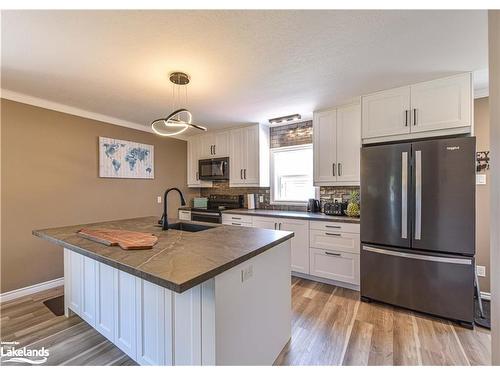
(327, 194)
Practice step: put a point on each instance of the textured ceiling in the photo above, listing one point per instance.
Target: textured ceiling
(246, 66)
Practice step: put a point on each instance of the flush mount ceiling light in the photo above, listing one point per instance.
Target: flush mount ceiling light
(179, 120)
(279, 120)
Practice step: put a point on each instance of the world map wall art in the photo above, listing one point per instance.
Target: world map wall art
(125, 159)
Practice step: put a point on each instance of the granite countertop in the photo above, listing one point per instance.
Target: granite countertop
(180, 260)
(294, 215)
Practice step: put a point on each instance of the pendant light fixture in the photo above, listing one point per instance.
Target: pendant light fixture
(179, 120)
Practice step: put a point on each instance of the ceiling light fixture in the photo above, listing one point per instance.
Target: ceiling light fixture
(179, 120)
(279, 120)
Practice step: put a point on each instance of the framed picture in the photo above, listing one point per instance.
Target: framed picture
(125, 159)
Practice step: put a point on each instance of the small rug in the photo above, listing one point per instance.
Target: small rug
(484, 321)
(56, 305)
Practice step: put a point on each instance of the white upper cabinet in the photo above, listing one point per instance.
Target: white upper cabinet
(249, 156)
(441, 104)
(336, 144)
(386, 113)
(435, 108)
(214, 145)
(324, 146)
(348, 143)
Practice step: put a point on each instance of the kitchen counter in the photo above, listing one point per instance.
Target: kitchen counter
(180, 260)
(294, 215)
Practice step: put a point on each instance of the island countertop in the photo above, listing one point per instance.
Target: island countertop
(180, 260)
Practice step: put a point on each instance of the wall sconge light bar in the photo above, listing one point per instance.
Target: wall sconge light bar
(279, 120)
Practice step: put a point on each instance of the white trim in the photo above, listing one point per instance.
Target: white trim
(481, 93)
(26, 291)
(275, 150)
(326, 281)
(58, 107)
(486, 296)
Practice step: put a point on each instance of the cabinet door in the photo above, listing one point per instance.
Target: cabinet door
(300, 243)
(221, 144)
(348, 143)
(236, 157)
(105, 306)
(385, 113)
(150, 325)
(89, 290)
(193, 150)
(207, 143)
(265, 222)
(324, 147)
(125, 314)
(75, 281)
(441, 104)
(251, 151)
(335, 265)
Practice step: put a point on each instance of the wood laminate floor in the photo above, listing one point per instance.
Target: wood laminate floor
(330, 326)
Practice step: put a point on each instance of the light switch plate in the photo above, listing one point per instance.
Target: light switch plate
(158, 198)
(481, 271)
(480, 179)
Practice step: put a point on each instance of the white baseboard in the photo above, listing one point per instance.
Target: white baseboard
(26, 291)
(486, 296)
(326, 281)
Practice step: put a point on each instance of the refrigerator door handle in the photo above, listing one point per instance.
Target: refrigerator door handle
(429, 258)
(404, 194)
(418, 194)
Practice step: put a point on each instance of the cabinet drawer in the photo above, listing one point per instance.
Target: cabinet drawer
(236, 223)
(237, 218)
(331, 240)
(333, 226)
(335, 265)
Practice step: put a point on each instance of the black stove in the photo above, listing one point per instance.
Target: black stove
(215, 205)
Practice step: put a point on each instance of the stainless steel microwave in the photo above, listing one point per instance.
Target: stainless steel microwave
(213, 169)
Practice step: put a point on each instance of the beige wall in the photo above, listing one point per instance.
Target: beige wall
(50, 178)
(482, 131)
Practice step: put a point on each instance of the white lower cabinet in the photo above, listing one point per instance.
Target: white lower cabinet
(335, 265)
(326, 249)
(75, 267)
(88, 311)
(125, 313)
(105, 306)
(151, 333)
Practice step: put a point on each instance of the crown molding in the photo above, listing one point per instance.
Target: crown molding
(481, 93)
(58, 107)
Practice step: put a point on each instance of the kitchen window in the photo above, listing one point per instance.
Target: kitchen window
(292, 174)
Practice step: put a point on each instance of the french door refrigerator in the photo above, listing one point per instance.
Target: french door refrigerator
(418, 226)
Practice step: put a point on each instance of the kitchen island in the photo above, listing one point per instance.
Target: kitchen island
(220, 296)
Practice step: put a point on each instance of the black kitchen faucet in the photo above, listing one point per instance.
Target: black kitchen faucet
(164, 219)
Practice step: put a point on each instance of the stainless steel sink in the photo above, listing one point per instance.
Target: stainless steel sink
(189, 227)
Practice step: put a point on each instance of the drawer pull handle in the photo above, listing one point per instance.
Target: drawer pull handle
(333, 226)
(333, 234)
(236, 218)
(333, 254)
(235, 223)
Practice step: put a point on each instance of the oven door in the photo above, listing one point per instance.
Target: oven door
(207, 217)
(213, 169)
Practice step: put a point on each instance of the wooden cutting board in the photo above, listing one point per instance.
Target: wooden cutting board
(127, 240)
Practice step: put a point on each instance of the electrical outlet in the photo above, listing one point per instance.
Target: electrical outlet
(480, 179)
(246, 273)
(261, 199)
(481, 271)
(158, 198)
(337, 200)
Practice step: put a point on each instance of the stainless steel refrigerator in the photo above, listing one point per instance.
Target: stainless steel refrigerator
(418, 226)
